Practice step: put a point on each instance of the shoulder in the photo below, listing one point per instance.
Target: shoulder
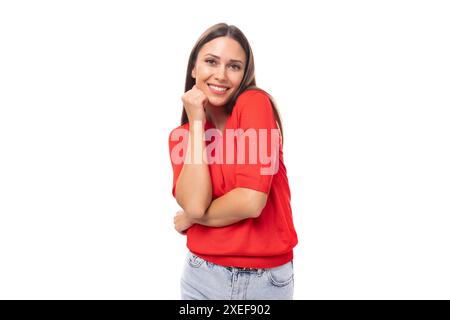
(250, 95)
(254, 101)
(176, 133)
(183, 126)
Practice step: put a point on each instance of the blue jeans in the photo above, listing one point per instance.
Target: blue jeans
(203, 280)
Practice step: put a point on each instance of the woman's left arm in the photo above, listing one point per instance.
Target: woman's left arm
(232, 207)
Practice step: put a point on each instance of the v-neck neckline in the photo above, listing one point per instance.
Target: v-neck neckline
(224, 126)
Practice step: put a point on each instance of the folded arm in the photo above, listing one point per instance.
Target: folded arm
(193, 188)
(234, 206)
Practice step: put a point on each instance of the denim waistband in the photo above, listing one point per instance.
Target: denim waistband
(259, 271)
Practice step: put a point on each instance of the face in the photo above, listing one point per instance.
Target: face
(219, 69)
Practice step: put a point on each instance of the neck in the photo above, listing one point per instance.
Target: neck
(216, 115)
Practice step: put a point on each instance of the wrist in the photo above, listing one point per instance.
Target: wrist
(196, 121)
(195, 220)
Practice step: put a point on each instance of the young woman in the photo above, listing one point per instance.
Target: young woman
(229, 177)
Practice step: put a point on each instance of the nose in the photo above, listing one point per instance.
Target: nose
(221, 73)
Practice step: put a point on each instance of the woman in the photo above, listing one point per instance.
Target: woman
(231, 183)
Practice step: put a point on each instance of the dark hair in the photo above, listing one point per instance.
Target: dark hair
(248, 81)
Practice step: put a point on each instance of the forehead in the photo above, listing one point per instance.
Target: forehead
(224, 47)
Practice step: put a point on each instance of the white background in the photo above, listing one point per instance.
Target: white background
(89, 91)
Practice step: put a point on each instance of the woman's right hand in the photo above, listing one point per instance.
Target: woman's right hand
(194, 102)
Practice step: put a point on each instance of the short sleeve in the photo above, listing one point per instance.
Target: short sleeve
(178, 140)
(261, 138)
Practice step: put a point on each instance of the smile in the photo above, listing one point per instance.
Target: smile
(217, 90)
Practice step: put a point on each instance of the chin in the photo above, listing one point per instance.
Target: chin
(218, 101)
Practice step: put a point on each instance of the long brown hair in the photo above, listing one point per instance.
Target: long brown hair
(248, 81)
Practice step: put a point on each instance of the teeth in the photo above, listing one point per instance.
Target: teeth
(217, 88)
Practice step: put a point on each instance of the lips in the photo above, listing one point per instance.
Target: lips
(218, 85)
(218, 90)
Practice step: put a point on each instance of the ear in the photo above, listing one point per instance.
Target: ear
(193, 73)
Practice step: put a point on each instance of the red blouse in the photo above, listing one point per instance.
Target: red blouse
(263, 242)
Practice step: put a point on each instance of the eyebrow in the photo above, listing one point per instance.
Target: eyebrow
(232, 60)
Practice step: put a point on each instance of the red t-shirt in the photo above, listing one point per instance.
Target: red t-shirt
(263, 242)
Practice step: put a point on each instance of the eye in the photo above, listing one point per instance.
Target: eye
(236, 67)
(210, 61)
